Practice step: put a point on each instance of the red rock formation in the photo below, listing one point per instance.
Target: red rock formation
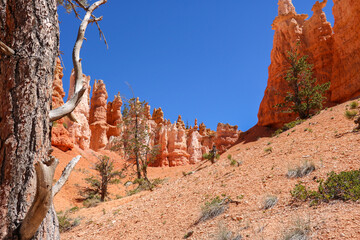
(80, 130)
(147, 111)
(158, 116)
(345, 82)
(114, 116)
(226, 136)
(97, 120)
(194, 147)
(180, 123)
(316, 40)
(60, 136)
(177, 147)
(335, 54)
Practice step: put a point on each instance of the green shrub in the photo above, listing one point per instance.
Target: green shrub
(302, 170)
(350, 114)
(354, 105)
(268, 150)
(343, 186)
(65, 223)
(208, 156)
(233, 162)
(144, 185)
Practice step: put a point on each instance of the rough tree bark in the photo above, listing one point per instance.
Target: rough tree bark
(29, 45)
(31, 29)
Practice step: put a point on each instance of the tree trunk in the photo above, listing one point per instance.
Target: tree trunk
(30, 28)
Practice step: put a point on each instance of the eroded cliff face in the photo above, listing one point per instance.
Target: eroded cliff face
(345, 82)
(313, 38)
(60, 136)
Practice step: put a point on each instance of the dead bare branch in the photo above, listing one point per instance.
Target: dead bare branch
(65, 175)
(96, 20)
(5, 49)
(43, 198)
(69, 106)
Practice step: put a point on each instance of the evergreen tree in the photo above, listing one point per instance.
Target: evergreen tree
(136, 137)
(304, 95)
(105, 167)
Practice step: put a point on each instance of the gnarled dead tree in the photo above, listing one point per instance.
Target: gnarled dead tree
(29, 44)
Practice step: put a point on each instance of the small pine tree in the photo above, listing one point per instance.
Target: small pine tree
(136, 137)
(105, 167)
(305, 95)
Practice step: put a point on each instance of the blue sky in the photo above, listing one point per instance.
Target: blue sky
(204, 59)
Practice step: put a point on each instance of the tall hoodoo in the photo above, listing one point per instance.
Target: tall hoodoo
(315, 39)
(98, 114)
(114, 116)
(80, 130)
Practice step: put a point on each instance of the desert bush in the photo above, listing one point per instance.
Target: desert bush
(299, 231)
(269, 201)
(144, 185)
(351, 114)
(213, 208)
(268, 150)
(354, 105)
(300, 171)
(92, 201)
(233, 162)
(343, 186)
(209, 156)
(66, 223)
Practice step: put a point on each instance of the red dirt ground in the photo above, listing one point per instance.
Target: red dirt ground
(170, 211)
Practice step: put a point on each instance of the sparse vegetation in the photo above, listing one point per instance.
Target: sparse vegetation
(351, 114)
(136, 136)
(226, 234)
(343, 186)
(268, 150)
(99, 186)
(233, 162)
(92, 201)
(288, 126)
(305, 96)
(299, 231)
(66, 223)
(354, 105)
(302, 170)
(269, 201)
(144, 185)
(213, 208)
(209, 156)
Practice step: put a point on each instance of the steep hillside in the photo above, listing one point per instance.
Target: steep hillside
(172, 210)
